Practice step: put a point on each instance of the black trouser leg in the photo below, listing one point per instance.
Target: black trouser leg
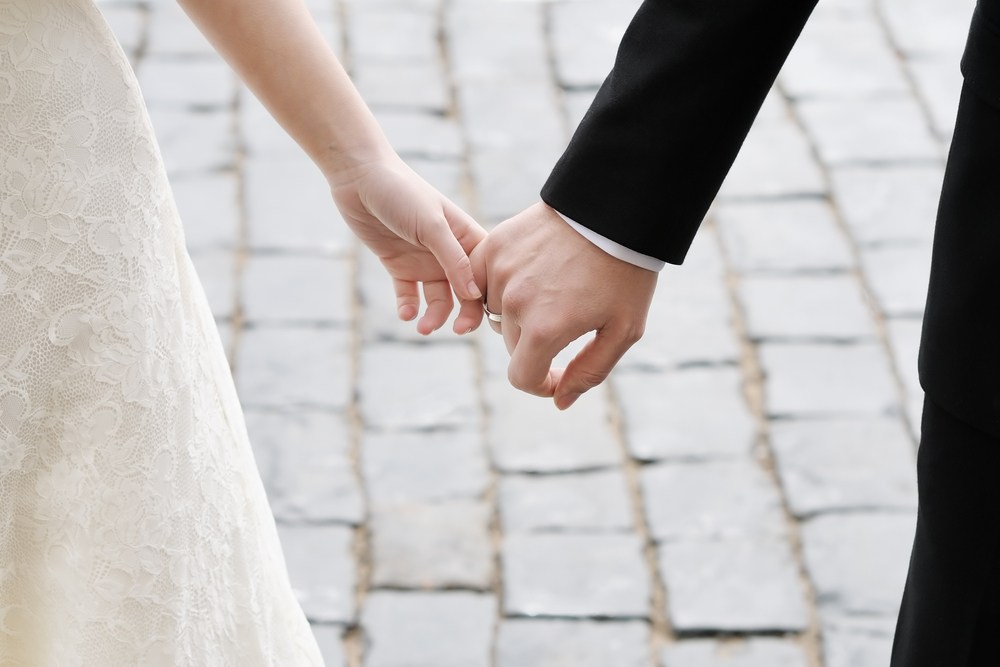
(950, 613)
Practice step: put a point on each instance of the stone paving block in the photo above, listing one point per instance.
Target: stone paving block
(898, 276)
(331, 646)
(403, 85)
(496, 41)
(858, 562)
(517, 115)
(294, 367)
(904, 341)
(805, 307)
(442, 545)
(856, 649)
(753, 652)
(311, 477)
(843, 55)
(528, 434)
(419, 467)
(576, 103)
(424, 629)
(775, 160)
(391, 34)
(822, 380)
(847, 464)
(695, 413)
(922, 27)
(882, 129)
(225, 331)
(507, 181)
(427, 135)
(296, 288)
(172, 33)
(721, 499)
(690, 319)
(418, 386)
(940, 88)
(585, 38)
(888, 204)
(194, 142)
(589, 501)
(582, 575)
(379, 313)
(782, 236)
(209, 207)
(733, 585)
(321, 567)
(188, 83)
(554, 643)
(289, 207)
(216, 271)
(448, 176)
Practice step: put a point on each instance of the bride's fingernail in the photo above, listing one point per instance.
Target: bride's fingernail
(474, 290)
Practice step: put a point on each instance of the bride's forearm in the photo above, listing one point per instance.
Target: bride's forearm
(278, 51)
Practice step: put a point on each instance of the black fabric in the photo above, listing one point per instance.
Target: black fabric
(651, 153)
(950, 613)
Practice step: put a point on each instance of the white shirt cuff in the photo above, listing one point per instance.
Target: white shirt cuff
(616, 250)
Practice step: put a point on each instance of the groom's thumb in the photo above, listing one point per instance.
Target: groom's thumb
(592, 365)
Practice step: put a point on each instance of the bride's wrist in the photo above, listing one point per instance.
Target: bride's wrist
(341, 163)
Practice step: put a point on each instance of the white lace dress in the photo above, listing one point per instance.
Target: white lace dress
(134, 529)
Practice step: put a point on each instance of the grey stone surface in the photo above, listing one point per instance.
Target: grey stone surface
(829, 307)
(171, 33)
(379, 312)
(415, 134)
(733, 585)
(187, 83)
(391, 34)
(898, 276)
(775, 160)
(817, 380)
(296, 288)
(216, 270)
(289, 207)
(417, 386)
(928, 27)
(843, 55)
(261, 134)
(441, 545)
(940, 90)
(209, 208)
(722, 499)
(127, 23)
(782, 236)
(419, 467)
(888, 204)
(904, 342)
(448, 176)
(404, 85)
(589, 501)
(557, 643)
(585, 38)
(511, 114)
(496, 41)
(307, 465)
(752, 652)
(508, 180)
(858, 562)
(848, 464)
(882, 129)
(425, 629)
(576, 103)
(321, 567)
(294, 367)
(331, 646)
(571, 575)
(194, 142)
(695, 413)
(855, 649)
(528, 434)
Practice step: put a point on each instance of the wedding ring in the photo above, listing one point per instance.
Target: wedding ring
(492, 317)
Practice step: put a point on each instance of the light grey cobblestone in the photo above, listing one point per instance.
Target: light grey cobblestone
(585, 37)
(552, 643)
(440, 629)
(217, 272)
(187, 84)
(331, 646)
(440, 545)
(426, 135)
(894, 204)
(898, 275)
(805, 308)
(321, 568)
(756, 652)
(589, 501)
(193, 142)
(209, 208)
(599, 575)
(402, 85)
(296, 289)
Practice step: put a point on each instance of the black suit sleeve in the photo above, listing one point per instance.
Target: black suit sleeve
(652, 151)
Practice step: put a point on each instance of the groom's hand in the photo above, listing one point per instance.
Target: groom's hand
(551, 285)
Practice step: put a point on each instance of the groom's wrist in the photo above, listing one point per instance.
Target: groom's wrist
(615, 249)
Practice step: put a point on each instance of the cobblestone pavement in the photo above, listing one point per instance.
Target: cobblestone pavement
(740, 494)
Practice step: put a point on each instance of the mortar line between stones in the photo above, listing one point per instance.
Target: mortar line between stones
(753, 392)
(468, 190)
(354, 637)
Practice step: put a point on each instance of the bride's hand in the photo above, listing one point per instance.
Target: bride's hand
(419, 235)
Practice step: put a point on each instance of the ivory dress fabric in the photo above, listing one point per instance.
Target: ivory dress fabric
(134, 528)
